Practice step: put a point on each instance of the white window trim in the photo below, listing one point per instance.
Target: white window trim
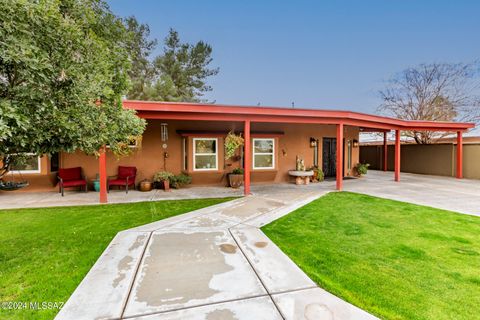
(205, 154)
(263, 153)
(39, 170)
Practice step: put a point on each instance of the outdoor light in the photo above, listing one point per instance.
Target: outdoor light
(313, 142)
(355, 143)
(164, 131)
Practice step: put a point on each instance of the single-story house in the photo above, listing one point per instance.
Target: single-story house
(189, 137)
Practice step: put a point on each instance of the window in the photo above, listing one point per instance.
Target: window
(30, 163)
(205, 156)
(263, 153)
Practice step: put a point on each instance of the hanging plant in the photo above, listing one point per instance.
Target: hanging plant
(232, 143)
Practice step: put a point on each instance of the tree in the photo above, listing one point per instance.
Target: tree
(140, 48)
(179, 74)
(57, 59)
(435, 92)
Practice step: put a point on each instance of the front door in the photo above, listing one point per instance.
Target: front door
(329, 156)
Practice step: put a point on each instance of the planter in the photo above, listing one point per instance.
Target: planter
(235, 180)
(160, 184)
(166, 185)
(96, 185)
(301, 177)
(145, 185)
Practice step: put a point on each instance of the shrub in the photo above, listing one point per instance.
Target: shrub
(362, 168)
(320, 175)
(237, 171)
(180, 180)
(162, 176)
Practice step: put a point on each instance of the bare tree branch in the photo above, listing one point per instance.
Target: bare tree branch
(434, 92)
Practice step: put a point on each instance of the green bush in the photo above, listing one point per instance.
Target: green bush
(318, 172)
(237, 171)
(180, 180)
(362, 168)
(162, 176)
(320, 175)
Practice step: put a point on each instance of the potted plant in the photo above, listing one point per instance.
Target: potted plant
(235, 178)
(317, 174)
(180, 180)
(96, 183)
(162, 179)
(362, 168)
(232, 143)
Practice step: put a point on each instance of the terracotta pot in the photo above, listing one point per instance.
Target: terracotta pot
(235, 180)
(145, 185)
(166, 185)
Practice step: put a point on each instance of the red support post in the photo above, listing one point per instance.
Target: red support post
(102, 166)
(339, 156)
(459, 155)
(397, 155)
(247, 158)
(385, 152)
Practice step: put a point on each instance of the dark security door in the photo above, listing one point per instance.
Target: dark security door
(329, 155)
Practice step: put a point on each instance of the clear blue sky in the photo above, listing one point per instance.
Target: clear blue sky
(323, 54)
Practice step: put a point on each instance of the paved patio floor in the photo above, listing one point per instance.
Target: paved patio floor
(439, 192)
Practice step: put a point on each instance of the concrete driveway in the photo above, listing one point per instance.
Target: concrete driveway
(460, 195)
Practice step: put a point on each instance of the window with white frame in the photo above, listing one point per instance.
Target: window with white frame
(264, 153)
(205, 154)
(29, 163)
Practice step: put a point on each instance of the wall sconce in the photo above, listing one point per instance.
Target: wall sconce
(313, 142)
(164, 131)
(355, 143)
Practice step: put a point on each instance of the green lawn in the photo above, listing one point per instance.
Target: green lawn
(45, 253)
(393, 259)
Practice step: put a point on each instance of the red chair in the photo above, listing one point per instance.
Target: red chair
(125, 177)
(71, 177)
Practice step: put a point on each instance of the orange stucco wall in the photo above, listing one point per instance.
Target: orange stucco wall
(150, 157)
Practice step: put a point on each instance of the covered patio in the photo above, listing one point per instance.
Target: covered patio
(246, 116)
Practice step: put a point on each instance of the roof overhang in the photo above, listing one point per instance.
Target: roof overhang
(216, 112)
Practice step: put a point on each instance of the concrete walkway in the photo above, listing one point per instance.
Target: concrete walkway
(212, 263)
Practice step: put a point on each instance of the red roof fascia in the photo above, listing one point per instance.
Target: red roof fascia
(214, 112)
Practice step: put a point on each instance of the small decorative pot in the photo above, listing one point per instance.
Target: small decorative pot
(96, 185)
(145, 185)
(235, 180)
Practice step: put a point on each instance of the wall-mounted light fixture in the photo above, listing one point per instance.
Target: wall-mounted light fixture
(355, 143)
(313, 142)
(164, 131)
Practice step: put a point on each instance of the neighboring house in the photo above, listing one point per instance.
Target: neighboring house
(189, 137)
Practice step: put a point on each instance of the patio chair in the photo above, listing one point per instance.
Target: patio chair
(125, 177)
(70, 178)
